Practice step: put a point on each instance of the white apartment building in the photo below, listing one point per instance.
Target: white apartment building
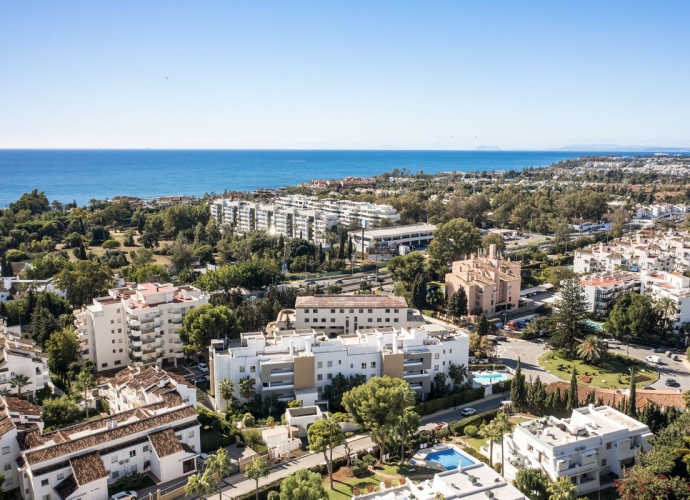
(136, 324)
(603, 290)
(585, 448)
(19, 356)
(334, 314)
(297, 216)
(645, 250)
(673, 285)
(137, 386)
(80, 461)
(661, 211)
(473, 482)
(414, 235)
(298, 364)
(17, 416)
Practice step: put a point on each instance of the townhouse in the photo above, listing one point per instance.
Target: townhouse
(20, 356)
(17, 416)
(669, 285)
(491, 284)
(136, 324)
(298, 364)
(589, 448)
(602, 290)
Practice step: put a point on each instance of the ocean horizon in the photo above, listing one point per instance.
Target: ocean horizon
(83, 174)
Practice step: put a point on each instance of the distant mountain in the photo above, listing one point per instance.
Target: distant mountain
(488, 148)
(618, 147)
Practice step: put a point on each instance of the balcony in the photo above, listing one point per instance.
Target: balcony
(179, 354)
(136, 342)
(134, 322)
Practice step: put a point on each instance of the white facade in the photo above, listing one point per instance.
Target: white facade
(303, 417)
(672, 285)
(80, 461)
(136, 324)
(17, 416)
(412, 236)
(298, 364)
(19, 356)
(661, 211)
(602, 290)
(593, 442)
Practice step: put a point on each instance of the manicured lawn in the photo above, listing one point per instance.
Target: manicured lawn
(396, 470)
(212, 440)
(614, 368)
(343, 490)
(476, 442)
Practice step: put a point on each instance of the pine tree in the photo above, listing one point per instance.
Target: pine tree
(571, 309)
(632, 398)
(419, 292)
(82, 251)
(482, 327)
(517, 388)
(350, 248)
(281, 242)
(538, 396)
(572, 393)
(457, 304)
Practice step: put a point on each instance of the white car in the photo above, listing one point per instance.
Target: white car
(612, 341)
(468, 411)
(653, 359)
(124, 495)
(203, 367)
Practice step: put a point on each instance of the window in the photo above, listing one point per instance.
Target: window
(340, 361)
(444, 351)
(118, 310)
(332, 311)
(396, 310)
(314, 311)
(603, 463)
(370, 311)
(370, 320)
(396, 320)
(329, 364)
(112, 321)
(179, 437)
(119, 330)
(114, 351)
(103, 365)
(361, 311)
(113, 341)
(342, 311)
(132, 453)
(388, 311)
(9, 481)
(352, 311)
(116, 474)
(329, 376)
(388, 320)
(608, 446)
(252, 369)
(373, 364)
(378, 320)
(112, 331)
(306, 311)
(113, 459)
(190, 434)
(241, 369)
(188, 466)
(319, 364)
(364, 366)
(306, 320)
(450, 351)
(44, 482)
(319, 376)
(61, 476)
(435, 367)
(46, 497)
(436, 356)
(7, 466)
(323, 320)
(352, 365)
(120, 341)
(171, 350)
(332, 320)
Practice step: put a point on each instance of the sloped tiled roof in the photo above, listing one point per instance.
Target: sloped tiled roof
(88, 468)
(165, 443)
(67, 486)
(22, 406)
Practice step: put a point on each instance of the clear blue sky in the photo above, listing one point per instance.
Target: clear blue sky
(343, 75)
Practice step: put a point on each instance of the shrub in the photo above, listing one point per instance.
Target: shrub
(358, 467)
(369, 459)
(109, 244)
(273, 495)
(456, 399)
(248, 420)
(474, 453)
(458, 428)
(498, 467)
(443, 434)
(471, 430)
(253, 439)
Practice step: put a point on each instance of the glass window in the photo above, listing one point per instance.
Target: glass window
(241, 369)
(44, 482)
(132, 453)
(332, 311)
(319, 376)
(332, 320)
(146, 448)
(364, 366)
(319, 364)
(330, 363)
(252, 369)
(373, 364)
(436, 356)
(329, 376)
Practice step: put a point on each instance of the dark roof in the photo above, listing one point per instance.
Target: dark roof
(67, 486)
(165, 443)
(88, 468)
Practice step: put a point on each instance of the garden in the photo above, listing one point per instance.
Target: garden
(611, 373)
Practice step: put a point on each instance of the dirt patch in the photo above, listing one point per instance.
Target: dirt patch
(343, 474)
(585, 378)
(638, 379)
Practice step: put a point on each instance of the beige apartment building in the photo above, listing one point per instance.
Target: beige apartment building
(491, 283)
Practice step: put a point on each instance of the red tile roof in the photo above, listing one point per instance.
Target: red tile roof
(350, 301)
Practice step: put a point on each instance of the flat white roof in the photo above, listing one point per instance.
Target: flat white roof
(395, 231)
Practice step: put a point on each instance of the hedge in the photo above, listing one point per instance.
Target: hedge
(458, 398)
(458, 427)
(479, 367)
(474, 453)
(498, 387)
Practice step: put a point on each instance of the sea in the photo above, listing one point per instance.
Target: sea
(82, 175)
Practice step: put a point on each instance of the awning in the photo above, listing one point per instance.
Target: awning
(588, 453)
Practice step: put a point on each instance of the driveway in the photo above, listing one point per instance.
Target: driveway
(530, 350)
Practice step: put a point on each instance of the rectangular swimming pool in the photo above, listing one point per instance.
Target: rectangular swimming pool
(450, 458)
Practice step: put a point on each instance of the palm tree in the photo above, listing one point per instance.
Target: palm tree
(667, 308)
(247, 388)
(503, 424)
(85, 382)
(19, 381)
(198, 484)
(226, 389)
(458, 374)
(219, 465)
(492, 433)
(562, 489)
(256, 470)
(591, 349)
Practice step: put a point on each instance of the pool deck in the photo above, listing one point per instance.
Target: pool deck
(419, 458)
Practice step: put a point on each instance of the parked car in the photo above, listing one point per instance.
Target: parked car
(203, 367)
(124, 495)
(468, 411)
(649, 388)
(202, 379)
(502, 338)
(372, 276)
(310, 282)
(379, 280)
(653, 359)
(659, 349)
(671, 382)
(612, 341)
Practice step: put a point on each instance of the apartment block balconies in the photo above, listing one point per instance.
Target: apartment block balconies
(136, 342)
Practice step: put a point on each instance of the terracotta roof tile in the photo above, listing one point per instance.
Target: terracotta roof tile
(165, 443)
(21, 406)
(88, 468)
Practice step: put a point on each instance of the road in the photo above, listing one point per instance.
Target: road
(529, 352)
(350, 282)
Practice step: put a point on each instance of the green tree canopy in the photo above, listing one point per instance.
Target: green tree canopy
(83, 282)
(570, 312)
(62, 349)
(207, 322)
(455, 240)
(302, 485)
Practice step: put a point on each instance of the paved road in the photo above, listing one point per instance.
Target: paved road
(529, 352)
(350, 281)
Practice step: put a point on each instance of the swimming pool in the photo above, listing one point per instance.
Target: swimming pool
(450, 458)
(596, 326)
(490, 377)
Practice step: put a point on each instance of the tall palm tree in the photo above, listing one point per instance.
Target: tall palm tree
(591, 349)
(219, 465)
(503, 424)
(198, 484)
(562, 489)
(493, 434)
(19, 381)
(458, 374)
(256, 470)
(85, 382)
(247, 388)
(667, 308)
(226, 390)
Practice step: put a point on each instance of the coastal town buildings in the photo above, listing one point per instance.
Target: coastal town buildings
(136, 324)
(602, 290)
(415, 235)
(21, 356)
(491, 283)
(661, 211)
(17, 417)
(669, 285)
(297, 216)
(298, 364)
(585, 448)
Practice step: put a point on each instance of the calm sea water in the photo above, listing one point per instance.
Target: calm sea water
(81, 175)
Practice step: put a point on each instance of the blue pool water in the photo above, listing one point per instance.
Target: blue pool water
(449, 458)
(490, 377)
(596, 326)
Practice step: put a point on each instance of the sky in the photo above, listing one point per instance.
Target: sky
(343, 75)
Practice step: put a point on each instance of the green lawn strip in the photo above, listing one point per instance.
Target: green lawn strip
(606, 375)
(212, 440)
(343, 490)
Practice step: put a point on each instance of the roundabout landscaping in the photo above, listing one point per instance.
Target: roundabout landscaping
(611, 373)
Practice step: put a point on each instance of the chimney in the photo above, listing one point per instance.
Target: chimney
(492, 251)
